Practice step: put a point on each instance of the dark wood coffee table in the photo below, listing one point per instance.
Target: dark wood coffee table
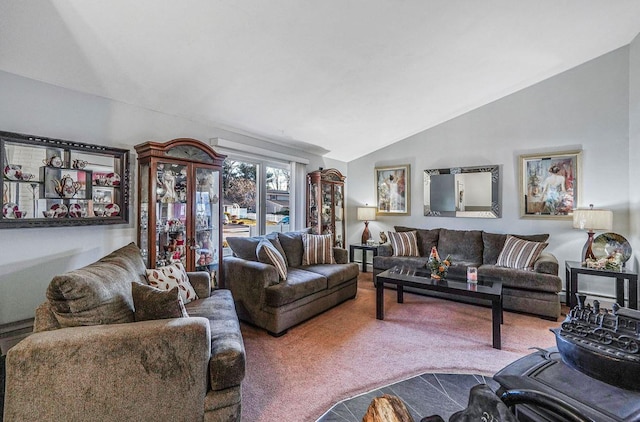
(420, 278)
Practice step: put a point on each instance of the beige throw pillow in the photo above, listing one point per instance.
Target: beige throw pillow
(268, 253)
(519, 253)
(166, 278)
(317, 249)
(404, 243)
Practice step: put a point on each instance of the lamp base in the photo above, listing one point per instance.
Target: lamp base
(366, 234)
(587, 251)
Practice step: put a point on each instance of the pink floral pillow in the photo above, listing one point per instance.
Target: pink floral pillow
(166, 278)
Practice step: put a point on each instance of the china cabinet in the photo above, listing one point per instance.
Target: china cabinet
(50, 182)
(180, 205)
(325, 204)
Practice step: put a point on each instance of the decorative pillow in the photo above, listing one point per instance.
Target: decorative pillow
(519, 253)
(166, 278)
(269, 254)
(317, 249)
(404, 243)
(153, 303)
(291, 243)
(244, 247)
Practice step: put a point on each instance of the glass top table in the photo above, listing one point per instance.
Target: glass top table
(420, 278)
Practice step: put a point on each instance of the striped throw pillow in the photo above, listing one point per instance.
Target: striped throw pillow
(317, 249)
(519, 254)
(404, 243)
(267, 253)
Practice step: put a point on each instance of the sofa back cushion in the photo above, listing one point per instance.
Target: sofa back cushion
(426, 238)
(292, 245)
(494, 242)
(463, 245)
(246, 247)
(99, 293)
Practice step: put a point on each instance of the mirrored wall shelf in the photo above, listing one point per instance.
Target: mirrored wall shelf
(53, 182)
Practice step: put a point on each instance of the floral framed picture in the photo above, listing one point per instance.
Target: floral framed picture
(393, 190)
(550, 184)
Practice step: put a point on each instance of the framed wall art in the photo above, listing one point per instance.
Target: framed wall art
(550, 184)
(393, 193)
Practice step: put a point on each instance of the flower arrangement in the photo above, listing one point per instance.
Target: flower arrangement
(437, 266)
(612, 262)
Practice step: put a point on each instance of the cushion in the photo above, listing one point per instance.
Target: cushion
(494, 242)
(404, 243)
(463, 246)
(170, 276)
(426, 238)
(317, 249)
(153, 303)
(292, 245)
(269, 254)
(519, 253)
(244, 247)
(99, 293)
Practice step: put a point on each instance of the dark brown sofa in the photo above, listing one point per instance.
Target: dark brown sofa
(534, 292)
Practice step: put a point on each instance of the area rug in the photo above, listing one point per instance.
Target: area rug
(346, 351)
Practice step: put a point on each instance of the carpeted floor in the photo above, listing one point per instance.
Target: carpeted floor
(346, 351)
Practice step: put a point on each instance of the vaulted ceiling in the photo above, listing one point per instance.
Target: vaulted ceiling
(343, 77)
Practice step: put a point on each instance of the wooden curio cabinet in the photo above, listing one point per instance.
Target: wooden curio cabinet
(325, 204)
(180, 205)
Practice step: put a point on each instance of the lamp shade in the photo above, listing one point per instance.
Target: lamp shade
(591, 219)
(366, 213)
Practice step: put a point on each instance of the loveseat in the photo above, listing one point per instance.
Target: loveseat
(533, 291)
(267, 299)
(91, 358)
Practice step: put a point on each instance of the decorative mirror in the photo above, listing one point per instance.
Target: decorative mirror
(462, 192)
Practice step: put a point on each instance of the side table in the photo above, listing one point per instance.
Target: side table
(574, 268)
(364, 249)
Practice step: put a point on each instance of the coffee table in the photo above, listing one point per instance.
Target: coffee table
(420, 278)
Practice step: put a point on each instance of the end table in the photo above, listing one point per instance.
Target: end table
(574, 268)
(364, 248)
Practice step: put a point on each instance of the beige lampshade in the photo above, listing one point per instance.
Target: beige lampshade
(366, 213)
(591, 219)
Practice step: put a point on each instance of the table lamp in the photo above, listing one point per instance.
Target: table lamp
(591, 219)
(366, 214)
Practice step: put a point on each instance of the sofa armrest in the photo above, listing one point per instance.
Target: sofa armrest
(114, 372)
(238, 270)
(201, 282)
(341, 255)
(546, 263)
(385, 249)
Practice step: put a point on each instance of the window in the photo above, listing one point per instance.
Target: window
(257, 196)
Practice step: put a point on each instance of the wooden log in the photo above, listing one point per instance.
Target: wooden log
(387, 408)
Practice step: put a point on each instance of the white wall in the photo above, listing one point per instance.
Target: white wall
(584, 108)
(31, 257)
(634, 148)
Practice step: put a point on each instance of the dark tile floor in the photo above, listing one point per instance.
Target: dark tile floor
(424, 395)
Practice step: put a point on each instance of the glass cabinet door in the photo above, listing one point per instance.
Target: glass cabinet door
(207, 221)
(171, 213)
(338, 214)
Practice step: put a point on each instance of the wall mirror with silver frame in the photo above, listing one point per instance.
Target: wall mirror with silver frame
(463, 192)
